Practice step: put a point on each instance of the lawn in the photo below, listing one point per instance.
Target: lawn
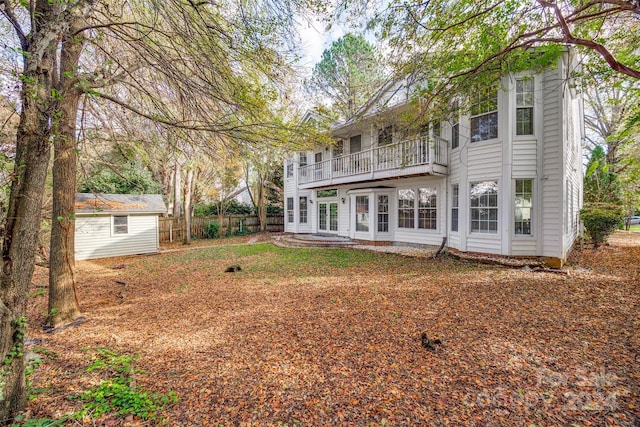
(332, 337)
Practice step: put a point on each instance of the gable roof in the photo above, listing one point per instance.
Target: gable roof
(119, 203)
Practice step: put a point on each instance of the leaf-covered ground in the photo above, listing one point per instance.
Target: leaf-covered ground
(332, 337)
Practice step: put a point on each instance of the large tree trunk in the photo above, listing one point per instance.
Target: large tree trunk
(20, 241)
(63, 299)
(187, 207)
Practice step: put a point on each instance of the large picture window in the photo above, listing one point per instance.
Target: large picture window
(383, 213)
(362, 213)
(484, 207)
(427, 208)
(303, 210)
(524, 107)
(484, 115)
(455, 204)
(523, 206)
(406, 202)
(121, 224)
(290, 210)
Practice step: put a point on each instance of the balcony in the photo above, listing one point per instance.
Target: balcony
(423, 156)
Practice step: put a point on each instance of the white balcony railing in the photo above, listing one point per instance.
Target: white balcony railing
(401, 155)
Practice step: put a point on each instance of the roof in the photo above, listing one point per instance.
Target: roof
(119, 203)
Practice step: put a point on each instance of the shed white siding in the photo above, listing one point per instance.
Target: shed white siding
(94, 238)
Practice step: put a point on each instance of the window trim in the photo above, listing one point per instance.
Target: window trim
(531, 208)
(383, 214)
(413, 210)
(529, 106)
(488, 220)
(490, 96)
(290, 211)
(361, 202)
(455, 208)
(303, 219)
(113, 225)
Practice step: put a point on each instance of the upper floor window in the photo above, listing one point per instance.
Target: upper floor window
(338, 148)
(524, 106)
(484, 207)
(484, 114)
(385, 136)
(355, 144)
(455, 125)
(303, 158)
(289, 169)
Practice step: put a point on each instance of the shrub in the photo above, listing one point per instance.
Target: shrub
(212, 230)
(600, 221)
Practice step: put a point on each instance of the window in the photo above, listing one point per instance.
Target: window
(484, 115)
(383, 213)
(427, 208)
(303, 210)
(355, 144)
(406, 201)
(302, 159)
(338, 149)
(455, 204)
(120, 225)
(523, 206)
(436, 128)
(318, 158)
(328, 193)
(290, 210)
(289, 169)
(524, 107)
(385, 136)
(455, 126)
(362, 213)
(484, 207)
(455, 135)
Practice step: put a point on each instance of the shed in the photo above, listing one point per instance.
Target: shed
(109, 225)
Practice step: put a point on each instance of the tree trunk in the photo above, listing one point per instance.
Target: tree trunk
(177, 190)
(20, 240)
(187, 207)
(63, 299)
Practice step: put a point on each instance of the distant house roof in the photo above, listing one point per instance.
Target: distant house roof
(88, 203)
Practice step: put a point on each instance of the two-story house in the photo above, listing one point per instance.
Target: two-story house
(503, 178)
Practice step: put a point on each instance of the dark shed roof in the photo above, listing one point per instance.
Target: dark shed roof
(88, 203)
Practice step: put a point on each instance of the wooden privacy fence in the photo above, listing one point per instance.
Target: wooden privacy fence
(171, 229)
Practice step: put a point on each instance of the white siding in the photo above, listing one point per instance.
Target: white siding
(94, 239)
(484, 161)
(552, 183)
(525, 158)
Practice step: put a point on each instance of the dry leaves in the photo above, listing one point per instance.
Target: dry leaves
(331, 342)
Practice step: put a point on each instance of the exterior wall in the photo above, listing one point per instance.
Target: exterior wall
(550, 157)
(94, 239)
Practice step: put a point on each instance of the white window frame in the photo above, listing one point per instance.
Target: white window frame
(413, 208)
(520, 192)
(484, 107)
(383, 214)
(303, 214)
(427, 208)
(525, 100)
(290, 210)
(113, 225)
(487, 212)
(455, 207)
(362, 213)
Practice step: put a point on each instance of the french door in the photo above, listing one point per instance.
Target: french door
(328, 217)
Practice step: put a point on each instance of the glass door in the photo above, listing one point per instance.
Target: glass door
(328, 216)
